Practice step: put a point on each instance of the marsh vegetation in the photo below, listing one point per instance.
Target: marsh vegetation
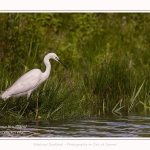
(108, 56)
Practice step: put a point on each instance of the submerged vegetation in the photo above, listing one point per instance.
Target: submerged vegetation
(108, 56)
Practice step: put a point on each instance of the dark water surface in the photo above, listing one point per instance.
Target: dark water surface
(129, 126)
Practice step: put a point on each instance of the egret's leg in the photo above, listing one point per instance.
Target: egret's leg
(28, 106)
(31, 109)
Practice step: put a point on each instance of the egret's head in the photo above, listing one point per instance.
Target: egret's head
(55, 57)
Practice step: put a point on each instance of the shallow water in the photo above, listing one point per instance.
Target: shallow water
(129, 126)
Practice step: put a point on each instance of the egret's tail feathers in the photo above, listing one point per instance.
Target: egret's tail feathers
(4, 95)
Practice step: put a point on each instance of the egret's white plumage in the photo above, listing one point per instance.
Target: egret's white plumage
(30, 80)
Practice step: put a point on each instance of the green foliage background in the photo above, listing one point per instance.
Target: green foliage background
(107, 55)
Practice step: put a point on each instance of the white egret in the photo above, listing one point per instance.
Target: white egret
(30, 80)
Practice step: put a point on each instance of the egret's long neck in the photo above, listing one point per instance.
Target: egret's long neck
(48, 67)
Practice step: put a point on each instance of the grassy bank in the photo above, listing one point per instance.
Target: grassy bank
(107, 55)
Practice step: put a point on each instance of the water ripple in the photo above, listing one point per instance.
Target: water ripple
(130, 126)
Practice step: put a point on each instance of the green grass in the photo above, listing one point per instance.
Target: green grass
(107, 56)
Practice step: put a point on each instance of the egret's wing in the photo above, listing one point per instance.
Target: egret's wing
(25, 83)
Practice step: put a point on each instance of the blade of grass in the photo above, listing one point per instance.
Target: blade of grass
(115, 109)
(134, 96)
